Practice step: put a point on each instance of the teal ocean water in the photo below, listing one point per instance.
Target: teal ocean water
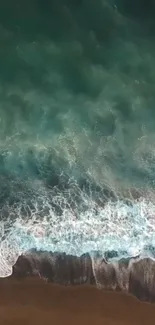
(77, 126)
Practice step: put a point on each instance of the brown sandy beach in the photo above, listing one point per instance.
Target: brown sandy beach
(34, 301)
(51, 288)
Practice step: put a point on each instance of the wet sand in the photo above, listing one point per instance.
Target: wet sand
(52, 288)
(134, 275)
(34, 301)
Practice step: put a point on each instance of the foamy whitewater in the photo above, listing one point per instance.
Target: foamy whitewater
(77, 128)
(125, 229)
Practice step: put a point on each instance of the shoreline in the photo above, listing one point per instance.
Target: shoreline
(133, 276)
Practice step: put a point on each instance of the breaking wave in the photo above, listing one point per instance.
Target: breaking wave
(74, 221)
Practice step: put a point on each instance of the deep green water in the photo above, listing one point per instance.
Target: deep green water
(77, 83)
(77, 122)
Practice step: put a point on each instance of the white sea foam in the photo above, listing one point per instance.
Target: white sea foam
(117, 226)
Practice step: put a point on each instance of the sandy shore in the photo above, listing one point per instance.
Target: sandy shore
(33, 301)
(53, 288)
(134, 276)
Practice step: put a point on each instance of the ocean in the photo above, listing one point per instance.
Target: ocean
(77, 128)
